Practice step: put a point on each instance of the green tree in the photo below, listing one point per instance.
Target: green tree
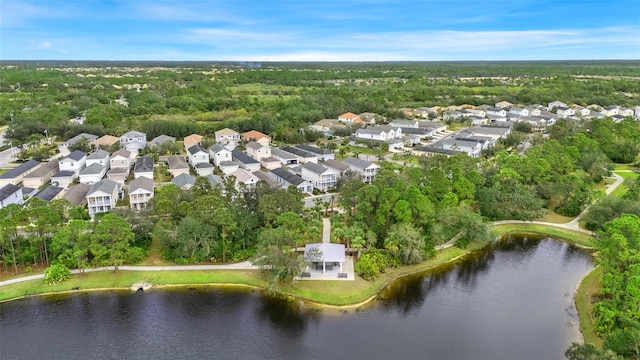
(56, 273)
(111, 241)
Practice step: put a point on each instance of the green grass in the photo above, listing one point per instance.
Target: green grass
(553, 217)
(622, 189)
(585, 297)
(572, 236)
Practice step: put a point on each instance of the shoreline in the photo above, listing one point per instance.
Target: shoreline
(296, 292)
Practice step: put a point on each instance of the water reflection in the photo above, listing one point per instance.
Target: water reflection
(288, 316)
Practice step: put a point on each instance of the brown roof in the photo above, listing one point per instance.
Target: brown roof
(348, 115)
(192, 139)
(77, 194)
(106, 140)
(254, 135)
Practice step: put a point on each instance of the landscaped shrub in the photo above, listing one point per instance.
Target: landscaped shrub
(56, 274)
(372, 264)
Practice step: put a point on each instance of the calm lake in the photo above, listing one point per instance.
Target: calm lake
(513, 300)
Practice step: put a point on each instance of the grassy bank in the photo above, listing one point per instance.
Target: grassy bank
(585, 297)
(571, 236)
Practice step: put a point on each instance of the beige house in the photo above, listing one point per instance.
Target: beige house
(15, 175)
(191, 140)
(40, 176)
(120, 159)
(140, 193)
(257, 136)
(227, 135)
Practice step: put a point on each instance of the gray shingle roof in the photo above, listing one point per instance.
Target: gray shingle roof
(184, 179)
(8, 190)
(242, 157)
(141, 183)
(216, 148)
(314, 149)
(159, 140)
(143, 164)
(318, 169)
(93, 169)
(177, 162)
(98, 154)
(195, 149)
(20, 169)
(299, 152)
(357, 163)
(104, 185)
(76, 155)
(77, 194)
(334, 164)
(215, 180)
(287, 176)
(278, 153)
(47, 194)
(63, 173)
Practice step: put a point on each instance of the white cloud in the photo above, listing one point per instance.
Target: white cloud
(44, 45)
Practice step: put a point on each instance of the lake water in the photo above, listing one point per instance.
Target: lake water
(512, 301)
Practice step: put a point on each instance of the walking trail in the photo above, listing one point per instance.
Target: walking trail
(326, 236)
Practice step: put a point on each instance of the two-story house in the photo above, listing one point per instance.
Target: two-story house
(365, 169)
(41, 175)
(322, 154)
(140, 193)
(565, 112)
(75, 162)
(10, 194)
(321, 177)
(120, 159)
(133, 141)
(245, 161)
(244, 180)
(102, 196)
(99, 157)
(143, 167)
(302, 155)
(286, 178)
(257, 136)
(197, 155)
(258, 151)
(177, 165)
(15, 175)
(191, 140)
(227, 135)
(92, 174)
(219, 153)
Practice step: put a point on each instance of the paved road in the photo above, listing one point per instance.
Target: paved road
(310, 201)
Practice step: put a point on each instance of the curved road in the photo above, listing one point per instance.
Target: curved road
(246, 265)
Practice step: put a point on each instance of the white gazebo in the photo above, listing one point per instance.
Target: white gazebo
(325, 253)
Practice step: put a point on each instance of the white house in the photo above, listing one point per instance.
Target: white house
(322, 154)
(405, 123)
(92, 174)
(140, 193)
(11, 194)
(496, 112)
(244, 180)
(350, 118)
(228, 167)
(503, 104)
(197, 155)
(99, 157)
(245, 161)
(75, 162)
(519, 111)
(302, 155)
(204, 169)
(102, 196)
(371, 134)
(564, 112)
(227, 135)
(286, 178)
(218, 154)
(365, 169)
(471, 147)
(133, 141)
(285, 157)
(321, 177)
(63, 178)
(555, 104)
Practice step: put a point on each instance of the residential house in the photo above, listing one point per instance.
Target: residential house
(143, 167)
(338, 166)
(453, 115)
(257, 136)
(257, 151)
(425, 112)
(102, 196)
(496, 112)
(89, 138)
(534, 110)
(636, 112)
(626, 112)
(270, 163)
(475, 112)
(431, 150)
(471, 147)
(303, 156)
(396, 144)
(321, 178)
(75, 162)
(245, 161)
(191, 140)
(92, 174)
(493, 131)
(421, 133)
(266, 179)
(371, 134)
(518, 111)
(99, 157)
(118, 175)
(105, 141)
(329, 255)
(50, 193)
(322, 154)
(11, 194)
(227, 135)
(63, 178)
(351, 118)
(581, 111)
(120, 159)
(596, 115)
(215, 181)
(412, 140)
(133, 141)
(197, 155)
(555, 104)
(177, 165)
(161, 140)
(77, 195)
(228, 167)
(218, 154)
(185, 181)
(286, 178)
(140, 193)
(204, 169)
(564, 112)
(438, 127)
(365, 169)
(244, 180)
(327, 126)
(285, 158)
(41, 175)
(503, 104)
(370, 118)
(405, 123)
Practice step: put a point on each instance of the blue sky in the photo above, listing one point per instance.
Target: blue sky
(319, 30)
